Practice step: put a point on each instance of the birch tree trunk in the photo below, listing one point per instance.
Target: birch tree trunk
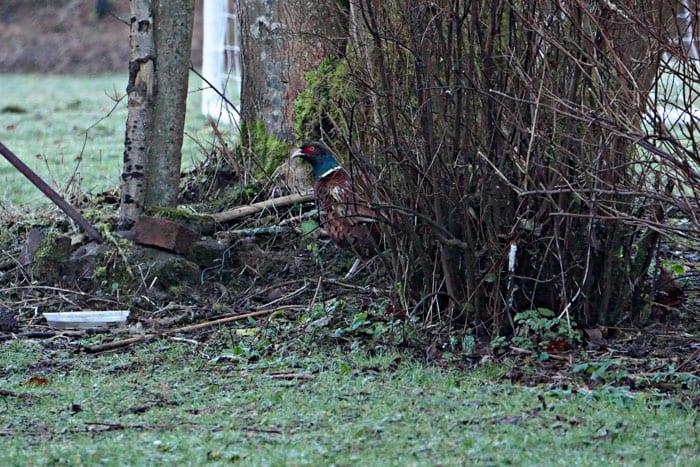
(160, 37)
(684, 17)
(139, 121)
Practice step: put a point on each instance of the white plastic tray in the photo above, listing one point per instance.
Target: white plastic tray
(86, 319)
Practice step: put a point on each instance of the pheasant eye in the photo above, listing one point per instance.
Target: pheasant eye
(311, 150)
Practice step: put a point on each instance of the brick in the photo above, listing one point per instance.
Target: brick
(165, 234)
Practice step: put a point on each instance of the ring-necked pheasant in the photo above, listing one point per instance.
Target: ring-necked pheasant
(344, 211)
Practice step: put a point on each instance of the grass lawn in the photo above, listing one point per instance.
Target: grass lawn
(176, 403)
(64, 128)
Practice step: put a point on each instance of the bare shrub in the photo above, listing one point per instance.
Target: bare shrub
(521, 130)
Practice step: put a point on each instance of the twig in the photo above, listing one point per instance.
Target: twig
(51, 334)
(358, 288)
(288, 307)
(291, 376)
(243, 211)
(185, 340)
(316, 292)
(149, 337)
(122, 343)
(264, 431)
(8, 262)
(109, 426)
(28, 335)
(215, 89)
(268, 230)
(286, 297)
(688, 360)
(216, 322)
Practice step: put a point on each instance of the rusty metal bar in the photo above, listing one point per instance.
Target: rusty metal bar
(38, 182)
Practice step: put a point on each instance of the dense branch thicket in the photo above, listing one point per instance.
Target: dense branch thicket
(526, 130)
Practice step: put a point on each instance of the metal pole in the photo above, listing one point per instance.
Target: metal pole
(51, 193)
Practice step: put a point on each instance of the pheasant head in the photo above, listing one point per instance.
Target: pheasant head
(319, 156)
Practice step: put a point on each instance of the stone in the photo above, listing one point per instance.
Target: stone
(165, 234)
(31, 244)
(209, 253)
(46, 254)
(8, 323)
(163, 270)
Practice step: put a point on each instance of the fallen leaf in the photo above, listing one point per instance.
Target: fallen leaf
(667, 291)
(512, 420)
(37, 381)
(558, 346)
(594, 334)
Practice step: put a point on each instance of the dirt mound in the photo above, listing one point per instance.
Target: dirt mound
(68, 36)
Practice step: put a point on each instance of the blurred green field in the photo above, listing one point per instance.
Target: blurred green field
(70, 130)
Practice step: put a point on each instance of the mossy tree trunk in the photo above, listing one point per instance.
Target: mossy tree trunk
(173, 39)
(161, 38)
(281, 41)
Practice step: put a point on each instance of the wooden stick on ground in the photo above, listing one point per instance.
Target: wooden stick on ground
(193, 327)
(242, 211)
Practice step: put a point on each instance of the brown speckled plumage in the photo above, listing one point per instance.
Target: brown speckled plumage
(344, 211)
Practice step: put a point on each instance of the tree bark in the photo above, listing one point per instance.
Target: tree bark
(161, 38)
(173, 41)
(281, 41)
(139, 121)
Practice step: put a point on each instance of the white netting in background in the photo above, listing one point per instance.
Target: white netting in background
(221, 65)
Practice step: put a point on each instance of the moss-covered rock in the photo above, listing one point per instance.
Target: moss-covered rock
(162, 269)
(201, 223)
(49, 256)
(210, 253)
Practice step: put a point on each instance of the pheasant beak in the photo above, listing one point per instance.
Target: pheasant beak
(297, 153)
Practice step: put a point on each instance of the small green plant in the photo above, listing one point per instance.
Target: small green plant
(468, 344)
(606, 370)
(499, 345)
(539, 327)
(309, 235)
(675, 267)
(679, 270)
(362, 324)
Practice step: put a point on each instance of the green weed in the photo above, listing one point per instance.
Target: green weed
(539, 327)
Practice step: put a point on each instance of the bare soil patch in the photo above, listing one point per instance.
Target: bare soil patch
(68, 36)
